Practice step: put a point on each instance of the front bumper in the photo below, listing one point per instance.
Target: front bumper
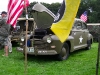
(35, 51)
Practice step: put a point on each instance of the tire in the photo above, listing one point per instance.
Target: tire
(64, 54)
(88, 45)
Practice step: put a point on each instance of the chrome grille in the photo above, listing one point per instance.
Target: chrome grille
(41, 44)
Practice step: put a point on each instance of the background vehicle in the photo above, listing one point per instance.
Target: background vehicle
(21, 28)
(45, 42)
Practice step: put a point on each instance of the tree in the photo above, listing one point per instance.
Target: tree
(52, 7)
(93, 17)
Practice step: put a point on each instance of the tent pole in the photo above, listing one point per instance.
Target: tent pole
(26, 37)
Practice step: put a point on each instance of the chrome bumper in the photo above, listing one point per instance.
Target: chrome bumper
(32, 51)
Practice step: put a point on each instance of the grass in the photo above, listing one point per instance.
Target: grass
(82, 62)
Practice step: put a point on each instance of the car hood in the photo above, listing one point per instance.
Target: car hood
(42, 16)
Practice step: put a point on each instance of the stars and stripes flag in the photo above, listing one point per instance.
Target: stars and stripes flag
(84, 16)
(15, 9)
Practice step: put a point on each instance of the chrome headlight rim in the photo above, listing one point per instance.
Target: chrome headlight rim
(48, 40)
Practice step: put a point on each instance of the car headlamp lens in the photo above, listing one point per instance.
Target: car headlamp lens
(48, 40)
(22, 38)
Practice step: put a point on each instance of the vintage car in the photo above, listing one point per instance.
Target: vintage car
(44, 42)
(21, 28)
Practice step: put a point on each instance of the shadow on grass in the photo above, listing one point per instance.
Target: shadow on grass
(50, 58)
(38, 59)
(46, 58)
(41, 58)
(14, 44)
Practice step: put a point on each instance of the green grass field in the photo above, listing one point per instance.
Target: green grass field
(82, 62)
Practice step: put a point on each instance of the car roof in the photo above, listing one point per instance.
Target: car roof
(77, 19)
(31, 19)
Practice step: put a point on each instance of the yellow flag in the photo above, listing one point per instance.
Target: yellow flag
(65, 18)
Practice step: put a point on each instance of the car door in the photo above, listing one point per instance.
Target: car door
(78, 35)
(85, 33)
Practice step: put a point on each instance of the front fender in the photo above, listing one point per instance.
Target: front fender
(90, 37)
(70, 41)
(57, 43)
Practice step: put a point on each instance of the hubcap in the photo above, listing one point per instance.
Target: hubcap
(63, 52)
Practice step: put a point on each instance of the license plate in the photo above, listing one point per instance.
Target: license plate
(30, 49)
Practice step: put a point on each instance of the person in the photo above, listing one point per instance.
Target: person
(4, 32)
(9, 44)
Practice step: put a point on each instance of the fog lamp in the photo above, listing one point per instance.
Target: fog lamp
(22, 38)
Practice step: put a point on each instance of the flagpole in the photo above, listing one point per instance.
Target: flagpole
(26, 37)
(98, 57)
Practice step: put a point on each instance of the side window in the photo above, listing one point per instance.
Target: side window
(84, 26)
(79, 25)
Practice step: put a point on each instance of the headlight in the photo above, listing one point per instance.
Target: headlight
(22, 38)
(48, 40)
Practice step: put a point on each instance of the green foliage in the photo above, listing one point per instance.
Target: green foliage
(53, 7)
(95, 31)
(93, 17)
(82, 62)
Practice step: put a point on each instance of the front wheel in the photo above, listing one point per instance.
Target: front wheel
(63, 55)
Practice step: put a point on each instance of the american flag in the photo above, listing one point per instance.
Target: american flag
(84, 16)
(15, 8)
